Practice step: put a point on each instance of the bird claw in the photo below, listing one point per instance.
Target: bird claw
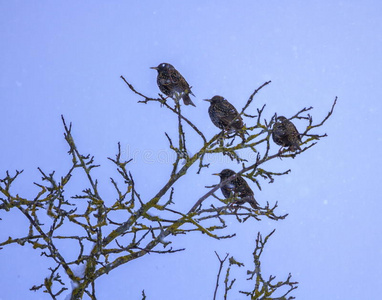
(233, 206)
(163, 100)
(280, 152)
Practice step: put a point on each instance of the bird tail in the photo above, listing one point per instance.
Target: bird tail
(187, 100)
(251, 200)
(295, 147)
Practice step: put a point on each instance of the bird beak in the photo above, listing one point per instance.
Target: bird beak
(209, 100)
(155, 68)
(218, 174)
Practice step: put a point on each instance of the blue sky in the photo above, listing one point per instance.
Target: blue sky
(66, 58)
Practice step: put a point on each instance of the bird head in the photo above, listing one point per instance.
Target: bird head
(215, 99)
(225, 174)
(281, 118)
(162, 67)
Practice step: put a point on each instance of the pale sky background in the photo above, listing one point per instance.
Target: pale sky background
(65, 57)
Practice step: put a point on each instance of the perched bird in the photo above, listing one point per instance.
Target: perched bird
(224, 115)
(172, 83)
(285, 134)
(237, 187)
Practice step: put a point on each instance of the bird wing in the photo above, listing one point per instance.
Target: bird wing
(293, 135)
(175, 76)
(232, 114)
(230, 108)
(245, 192)
(242, 188)
(180, 84)
(227, 111)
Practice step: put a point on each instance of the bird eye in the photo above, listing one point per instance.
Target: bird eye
(163, 65)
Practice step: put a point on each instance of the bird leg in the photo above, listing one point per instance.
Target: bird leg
(235, 204)
(280, 152)
(177, 97)
(163, 100)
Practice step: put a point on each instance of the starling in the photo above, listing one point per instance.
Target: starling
(172, 83)
(237, 187)
(222, 114)
(285, 134)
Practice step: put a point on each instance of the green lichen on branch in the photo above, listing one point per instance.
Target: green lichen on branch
(262, 288)
(89, 219)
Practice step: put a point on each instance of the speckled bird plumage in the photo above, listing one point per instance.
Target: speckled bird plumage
(172, 83)
(285, 134)
(222, 114)
(237, 187)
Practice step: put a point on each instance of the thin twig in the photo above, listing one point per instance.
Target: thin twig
(221, 261)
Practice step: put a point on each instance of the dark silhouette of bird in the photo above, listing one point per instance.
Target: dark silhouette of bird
(172, 83)
(237, 187)
(224, 115)
(285, 134)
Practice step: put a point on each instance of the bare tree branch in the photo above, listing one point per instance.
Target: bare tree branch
(148, 223)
